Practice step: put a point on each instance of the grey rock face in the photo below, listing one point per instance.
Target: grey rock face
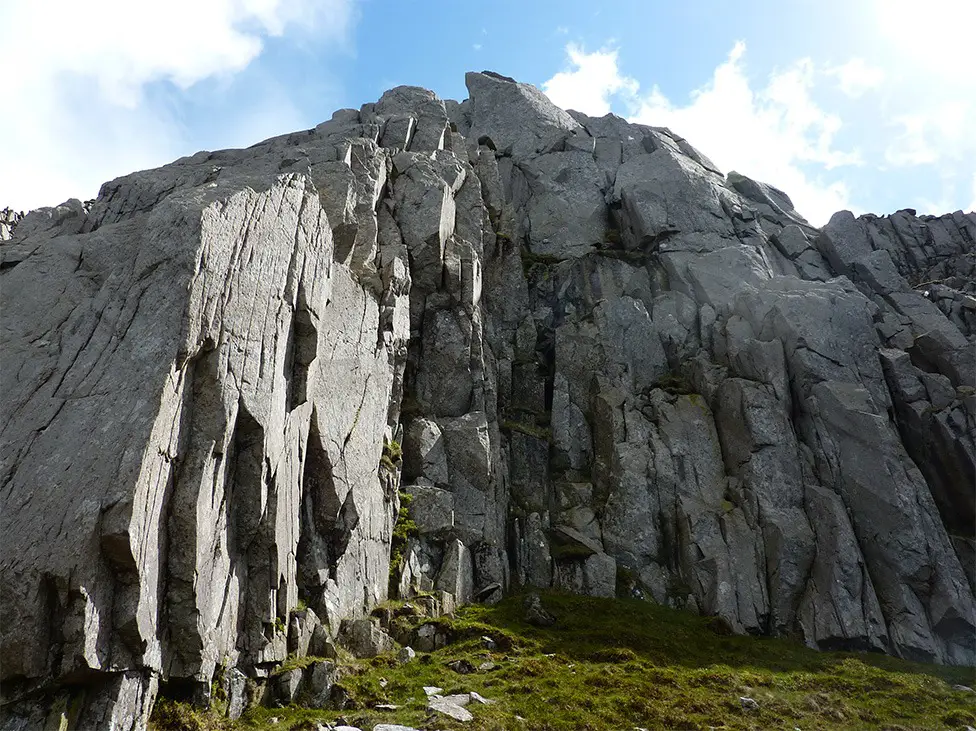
(516, 118)
(612, 369)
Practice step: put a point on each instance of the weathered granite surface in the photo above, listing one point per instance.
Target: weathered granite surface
(612, 370)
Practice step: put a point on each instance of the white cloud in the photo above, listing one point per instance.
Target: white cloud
(911, 146)
(939, 134)
(934, 38)
(770, 133)
(766, 133)
(972, 203)
(856, 77)
(78, 72)
(931, 112)
(589, 85)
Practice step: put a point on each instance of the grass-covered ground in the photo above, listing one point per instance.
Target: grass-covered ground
(621, 664)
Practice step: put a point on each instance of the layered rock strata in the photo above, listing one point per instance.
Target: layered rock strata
(611, 368)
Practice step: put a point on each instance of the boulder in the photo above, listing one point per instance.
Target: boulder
(456, 576)
(317, 684)
(364, 639)
(301, 630)
(287, 684)
(405, 655)
(535, 613)
(432, 509)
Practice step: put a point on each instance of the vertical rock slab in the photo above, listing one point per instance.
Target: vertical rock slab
(161, 437)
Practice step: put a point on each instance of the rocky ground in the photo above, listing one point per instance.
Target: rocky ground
(640, 666)
(588, 359)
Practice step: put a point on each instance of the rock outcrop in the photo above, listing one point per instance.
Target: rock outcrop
(612, 369)
(9, 219)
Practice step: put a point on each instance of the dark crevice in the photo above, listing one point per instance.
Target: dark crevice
(342, 530)
(202, 416)
(244, 496)
(249, 524)
(54, 613)
(302, 350)
(261, 605)
(317, 559)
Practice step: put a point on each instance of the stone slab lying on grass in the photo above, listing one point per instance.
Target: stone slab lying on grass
(448, 708)
(458, 699)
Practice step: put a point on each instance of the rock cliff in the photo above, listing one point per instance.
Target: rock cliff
(610, 368)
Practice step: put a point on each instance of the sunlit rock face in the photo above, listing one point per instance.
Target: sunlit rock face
(611, 369)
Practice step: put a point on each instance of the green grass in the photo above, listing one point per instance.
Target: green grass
(617, 664)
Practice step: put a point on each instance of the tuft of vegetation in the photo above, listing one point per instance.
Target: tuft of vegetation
(403, 530)
(678, 589)
(676, 384)
(293, 662)
(170, 715)
(392, 457)
(531, 260)
(539, 432)
(633, 257)
(612, 237)
(218, 690)
(410, 408)
(625, 663)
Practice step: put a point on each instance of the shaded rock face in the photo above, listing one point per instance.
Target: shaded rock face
(611, 368)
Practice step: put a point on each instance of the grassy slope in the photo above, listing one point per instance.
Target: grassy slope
(620, 664)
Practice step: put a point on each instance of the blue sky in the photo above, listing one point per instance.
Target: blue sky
(868, 105)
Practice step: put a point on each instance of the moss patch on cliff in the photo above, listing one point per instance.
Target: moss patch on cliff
(403, 530)
(532, 430)
(626, 663)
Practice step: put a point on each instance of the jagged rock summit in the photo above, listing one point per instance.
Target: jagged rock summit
(594, 361)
